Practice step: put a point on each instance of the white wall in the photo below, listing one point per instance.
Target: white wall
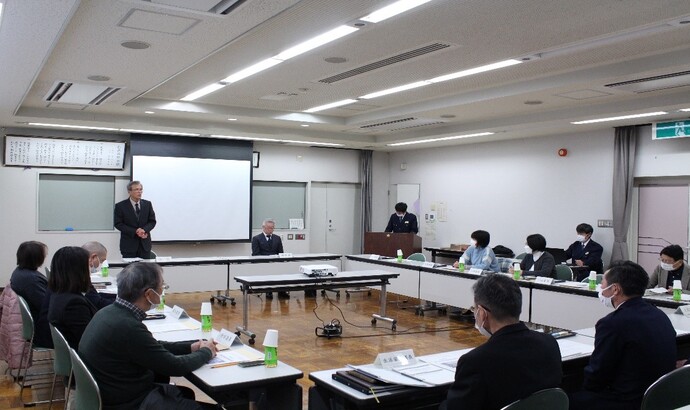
(514, 188)
(661, 158)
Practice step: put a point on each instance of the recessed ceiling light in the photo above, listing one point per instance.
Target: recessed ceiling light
(149, 112)
(98, 78)
(455, 137)
(622, 117)
(232, 119)
(135, 45)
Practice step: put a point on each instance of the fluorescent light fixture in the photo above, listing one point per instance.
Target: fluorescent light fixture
(395, 89)
(622, 117)
(685, 109)
(78, 127)
(327, 144)
(331, 105)
(251, 70)
(0, 14)
(149, 112)
(314, 42)
(181, 134)
(394, 9)
(476, 70)
(479, 134)
(203, 91)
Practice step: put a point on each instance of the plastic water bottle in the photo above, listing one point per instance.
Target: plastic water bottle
(206, 318)
(517, 273)
(461, 265)
(161, 305)
(592, 280)
(104, 269)
(271, 348)
(400, 255)
(677, 290)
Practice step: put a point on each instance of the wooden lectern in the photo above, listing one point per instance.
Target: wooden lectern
(388, 243)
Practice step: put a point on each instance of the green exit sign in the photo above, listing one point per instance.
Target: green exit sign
(673, 129)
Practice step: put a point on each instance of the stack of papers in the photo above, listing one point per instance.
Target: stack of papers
(570, 349)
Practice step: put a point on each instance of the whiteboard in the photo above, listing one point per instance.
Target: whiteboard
(63, 153)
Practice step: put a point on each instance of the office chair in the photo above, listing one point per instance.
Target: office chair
(419, 257)
(670, 391)
(521, 256)
(552, 399)
(62, 364)
(87, 395)
(28, 336)
(563, 272)
(152, 255)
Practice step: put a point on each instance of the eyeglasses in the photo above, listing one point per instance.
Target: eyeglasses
(473, 309)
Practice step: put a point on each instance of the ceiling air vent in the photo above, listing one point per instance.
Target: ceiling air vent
(408, 55)
(79, 94)
(222, 7)
(655, 83)
(396, 125)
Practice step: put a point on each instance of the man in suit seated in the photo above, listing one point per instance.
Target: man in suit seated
(266, 243)
(401, 221)
(134, 218)
(633, 346)
(514, 363)
(585, 252)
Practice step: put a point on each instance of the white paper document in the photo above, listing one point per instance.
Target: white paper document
(172, 326)
(445, 360)
(573, 349)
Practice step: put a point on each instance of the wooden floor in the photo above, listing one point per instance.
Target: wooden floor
(296, 319)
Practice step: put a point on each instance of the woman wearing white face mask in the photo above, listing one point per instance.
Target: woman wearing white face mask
(671, 267)
(480, 255)
(537, 262)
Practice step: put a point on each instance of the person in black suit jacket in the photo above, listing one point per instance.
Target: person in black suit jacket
(584, 251)
(401, 221)
(266, 243)
(514, 363)
(633, 346)
(69, 310)
(536, 257)
(134, 218)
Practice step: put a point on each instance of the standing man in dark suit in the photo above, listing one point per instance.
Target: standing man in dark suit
(134, 218)
(266, 243)
(584, 251)
(514, 363)
(401, 221)
(633, 346)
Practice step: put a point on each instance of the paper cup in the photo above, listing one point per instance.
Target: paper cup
(206, 308)
(592, 275)
(676, 284)
(271, 338)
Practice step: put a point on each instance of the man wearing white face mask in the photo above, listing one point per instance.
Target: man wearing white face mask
(97, 254)
(671, 267)
(633, 346)
(124, 357)
(514, 363)
(584, 251)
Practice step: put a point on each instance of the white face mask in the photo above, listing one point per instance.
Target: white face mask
(607, 301)
(473, 242)
(481, 328)
(97, 268)
(154, 305)
(580, 238)
(528, 249)
(666, 266)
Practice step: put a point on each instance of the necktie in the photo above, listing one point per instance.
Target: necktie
(268, 238)
(136, 209)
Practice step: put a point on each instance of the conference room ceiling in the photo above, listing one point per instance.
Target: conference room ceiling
(571, 53)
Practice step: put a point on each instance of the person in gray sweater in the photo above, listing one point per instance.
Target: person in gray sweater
(125, 358)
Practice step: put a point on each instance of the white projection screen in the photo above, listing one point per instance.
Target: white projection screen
(197, 199)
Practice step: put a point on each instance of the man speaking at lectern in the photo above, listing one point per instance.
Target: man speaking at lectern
(401, 221)
(134, 218)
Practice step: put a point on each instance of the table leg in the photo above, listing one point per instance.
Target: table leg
(245, 317)
(382, 309)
